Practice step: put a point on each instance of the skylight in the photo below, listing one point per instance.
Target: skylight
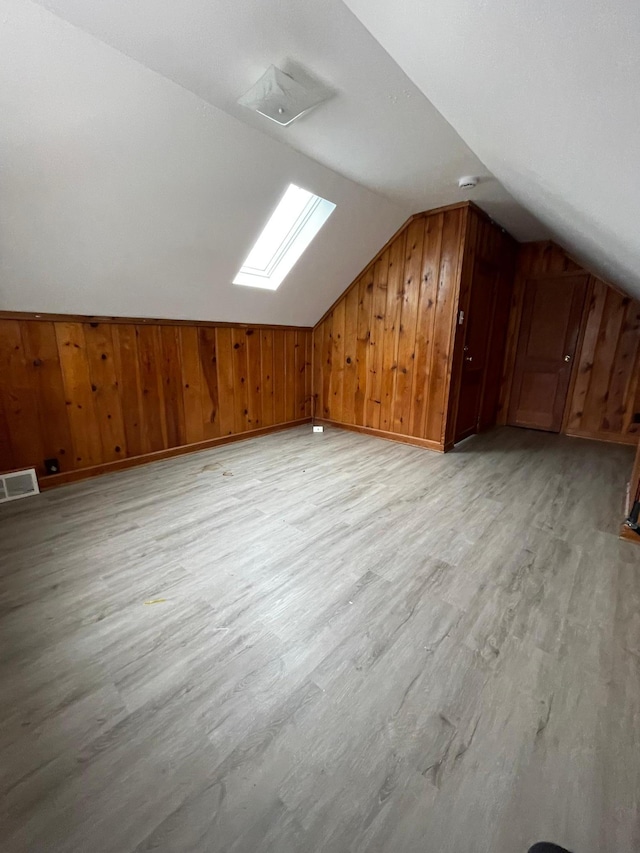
(292, 226)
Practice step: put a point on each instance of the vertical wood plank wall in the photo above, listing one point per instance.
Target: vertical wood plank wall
(382, 354)
(485, 243)
(96, 393)
(386, 359)
(604, 394)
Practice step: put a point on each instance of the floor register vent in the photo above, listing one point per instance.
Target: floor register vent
(18, 484)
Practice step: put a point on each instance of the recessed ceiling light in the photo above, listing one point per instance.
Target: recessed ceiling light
(282, 99)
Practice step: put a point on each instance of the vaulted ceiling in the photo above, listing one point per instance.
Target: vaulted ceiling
(133, 183)
(378, 130)
(122, 193)
(547, 94)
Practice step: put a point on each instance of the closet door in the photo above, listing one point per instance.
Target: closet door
(549, 328)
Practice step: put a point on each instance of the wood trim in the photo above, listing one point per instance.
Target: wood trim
(146, 321)
(388, 436)
(133, 461)
(446, 208)
(629, 441)
(470, 205)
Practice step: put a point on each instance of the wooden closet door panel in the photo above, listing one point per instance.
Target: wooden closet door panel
(547, 341)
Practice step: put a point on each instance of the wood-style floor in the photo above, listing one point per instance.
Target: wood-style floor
(325, 643)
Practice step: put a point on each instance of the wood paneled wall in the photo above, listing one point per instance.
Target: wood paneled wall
(387, 356)
(491, 248)
(97, 393)
(382, 354)
(94, 394)
(604, 394)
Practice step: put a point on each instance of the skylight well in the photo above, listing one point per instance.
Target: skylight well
(292, 226)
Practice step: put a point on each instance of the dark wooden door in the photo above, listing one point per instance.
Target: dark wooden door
(549, 328)
(476, 348)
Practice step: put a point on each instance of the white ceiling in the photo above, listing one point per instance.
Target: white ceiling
(121, 193)
(132, 183)
(378, 130)
(547, 93)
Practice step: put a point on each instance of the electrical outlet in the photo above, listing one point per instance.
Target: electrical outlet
(318, 428)
(51, 466)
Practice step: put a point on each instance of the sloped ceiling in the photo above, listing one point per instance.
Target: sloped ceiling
(547, 94)
(132, 183)
(378, 129)
(123, 194)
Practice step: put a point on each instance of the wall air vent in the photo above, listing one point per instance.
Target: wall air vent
(18, 484)
(282, 99)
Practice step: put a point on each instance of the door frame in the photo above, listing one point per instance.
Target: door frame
(457, 437)
(510, 361)
(578, 356)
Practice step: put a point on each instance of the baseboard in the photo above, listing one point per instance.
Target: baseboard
(388, 436)
(628, 441)
(131, 462)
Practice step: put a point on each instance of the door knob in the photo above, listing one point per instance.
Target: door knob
(567, 358)
(468, 358)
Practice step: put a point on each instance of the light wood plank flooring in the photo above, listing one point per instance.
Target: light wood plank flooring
(325, 643)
